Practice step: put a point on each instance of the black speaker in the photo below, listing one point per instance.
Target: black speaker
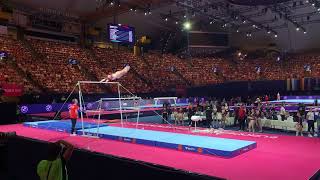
(8, 113)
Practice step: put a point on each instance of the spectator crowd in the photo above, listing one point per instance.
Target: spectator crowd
(46, 62)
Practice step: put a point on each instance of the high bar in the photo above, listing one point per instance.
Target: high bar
(96, 82)
(128, 98)
(159, 98)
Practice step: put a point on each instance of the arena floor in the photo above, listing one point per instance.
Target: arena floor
(271, 159)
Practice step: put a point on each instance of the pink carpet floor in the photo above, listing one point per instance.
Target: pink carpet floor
(276, 157)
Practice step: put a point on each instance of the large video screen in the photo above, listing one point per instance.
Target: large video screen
(121, 33)
(3, 55)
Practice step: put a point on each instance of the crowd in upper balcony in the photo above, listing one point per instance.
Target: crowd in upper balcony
(47, 63)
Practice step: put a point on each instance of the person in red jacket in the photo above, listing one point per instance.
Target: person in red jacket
(241, 117)
(73, 113)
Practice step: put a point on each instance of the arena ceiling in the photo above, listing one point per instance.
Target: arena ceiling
(90, 9)
(236, 15)
(256, 2)
(257, 16)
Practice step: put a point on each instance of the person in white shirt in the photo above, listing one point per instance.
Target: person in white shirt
(175, 116)
(278, 97)
(180, 116)
(258, 116)
(311, 120)
(282, 112)
(215, 123)
(252, 120)
(224, 115)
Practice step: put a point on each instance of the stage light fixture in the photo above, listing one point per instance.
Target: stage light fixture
(187, 25)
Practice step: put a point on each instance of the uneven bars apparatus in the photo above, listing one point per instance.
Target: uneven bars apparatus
(119, 98)
(82, 105)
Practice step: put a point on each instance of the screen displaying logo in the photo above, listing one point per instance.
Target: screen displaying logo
(24, 109)
(73, 61)
(3, 55)
(89, 105)
(48, 108)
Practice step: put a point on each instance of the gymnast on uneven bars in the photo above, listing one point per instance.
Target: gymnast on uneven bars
(116, 75)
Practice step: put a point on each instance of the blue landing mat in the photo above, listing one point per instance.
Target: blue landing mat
(200, 144)
(61, 126)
